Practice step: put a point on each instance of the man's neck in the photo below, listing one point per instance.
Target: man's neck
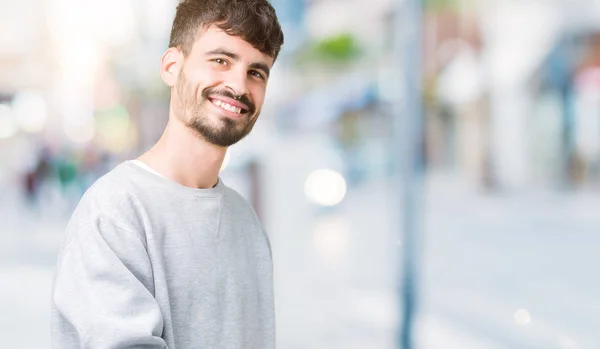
(182, 156)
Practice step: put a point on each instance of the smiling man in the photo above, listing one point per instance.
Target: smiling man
(160, 253)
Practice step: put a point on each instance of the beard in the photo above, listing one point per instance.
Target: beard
(215, 129)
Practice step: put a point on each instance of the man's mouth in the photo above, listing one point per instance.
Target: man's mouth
(228, 107)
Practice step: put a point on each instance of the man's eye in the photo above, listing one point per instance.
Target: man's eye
(220, 61)
(257, 74)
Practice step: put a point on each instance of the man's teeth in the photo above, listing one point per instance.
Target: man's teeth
(228, 107)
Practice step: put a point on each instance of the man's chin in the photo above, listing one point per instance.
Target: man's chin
(221, 137)
(223, 141)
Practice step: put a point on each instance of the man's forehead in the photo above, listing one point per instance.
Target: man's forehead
(211, 37)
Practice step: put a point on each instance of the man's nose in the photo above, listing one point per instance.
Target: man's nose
(237, 81)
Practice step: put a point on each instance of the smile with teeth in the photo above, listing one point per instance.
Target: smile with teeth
(228, 107)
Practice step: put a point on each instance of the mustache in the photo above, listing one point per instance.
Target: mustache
(226, 93)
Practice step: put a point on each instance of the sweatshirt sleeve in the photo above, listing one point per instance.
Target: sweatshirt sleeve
(103, 293)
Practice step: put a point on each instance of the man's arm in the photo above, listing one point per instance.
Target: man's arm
(103, 292)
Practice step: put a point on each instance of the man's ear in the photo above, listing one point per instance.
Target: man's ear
(170, 65)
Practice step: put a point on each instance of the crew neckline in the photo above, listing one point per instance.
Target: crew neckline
(146, 167)
(215, 191)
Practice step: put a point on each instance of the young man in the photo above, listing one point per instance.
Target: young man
(160, 253)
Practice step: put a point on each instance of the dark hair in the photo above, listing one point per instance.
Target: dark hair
(254, 21)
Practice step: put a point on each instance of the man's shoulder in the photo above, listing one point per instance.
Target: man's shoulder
(112, 195)
(114, 185)
(237, 198)
(108, 201)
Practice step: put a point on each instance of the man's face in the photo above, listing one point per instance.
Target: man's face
(221, 87)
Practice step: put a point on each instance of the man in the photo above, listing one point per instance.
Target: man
(160, 253)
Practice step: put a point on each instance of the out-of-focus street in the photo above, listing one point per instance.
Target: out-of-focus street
(495, 105)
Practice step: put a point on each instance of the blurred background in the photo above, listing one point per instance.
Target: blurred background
(494, 243)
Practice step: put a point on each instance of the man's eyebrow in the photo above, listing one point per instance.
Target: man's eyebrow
(262, 67)
(236, 57)
(221, 51)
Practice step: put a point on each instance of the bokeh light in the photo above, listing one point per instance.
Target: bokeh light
(325, 187)
(522, 317)
(30, 111)
(80, 132)
(8, 124)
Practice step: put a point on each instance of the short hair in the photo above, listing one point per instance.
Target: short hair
(255, 21)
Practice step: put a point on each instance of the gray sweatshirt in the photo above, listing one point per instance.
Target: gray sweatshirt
(148, 263)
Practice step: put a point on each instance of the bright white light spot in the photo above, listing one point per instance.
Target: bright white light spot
(80, 133)
(8, 124)
(325, 187)
(522, 317)
(30, 111)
